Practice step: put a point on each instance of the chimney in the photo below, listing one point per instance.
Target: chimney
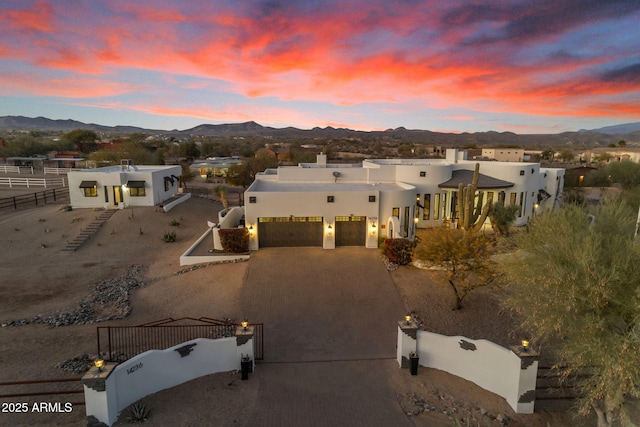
(321, 159)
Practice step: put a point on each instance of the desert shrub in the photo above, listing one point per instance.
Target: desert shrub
(398, 251)
(174, 223)
(234, 240)
(169, 236)
(139, 413)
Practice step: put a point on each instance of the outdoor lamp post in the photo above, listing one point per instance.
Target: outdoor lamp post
(99, 363)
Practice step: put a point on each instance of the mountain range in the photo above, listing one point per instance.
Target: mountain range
(630, 132)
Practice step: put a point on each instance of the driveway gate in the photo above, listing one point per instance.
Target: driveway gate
(121, 343)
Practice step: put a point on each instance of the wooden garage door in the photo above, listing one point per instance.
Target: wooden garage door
(290, 231)
(351, 230)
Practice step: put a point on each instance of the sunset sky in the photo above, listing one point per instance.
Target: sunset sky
(542, 66)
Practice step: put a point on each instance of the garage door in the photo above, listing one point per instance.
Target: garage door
(351, 230)
(290, 231)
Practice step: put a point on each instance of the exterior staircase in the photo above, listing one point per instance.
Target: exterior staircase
(89, 231)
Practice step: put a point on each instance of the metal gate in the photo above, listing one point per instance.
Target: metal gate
(121, 343)
(290, 231)
(351, 230)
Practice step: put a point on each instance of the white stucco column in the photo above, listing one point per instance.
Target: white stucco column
(407, 342)
(244, 343)
(523, 401)
(100, 394)
(329, 233)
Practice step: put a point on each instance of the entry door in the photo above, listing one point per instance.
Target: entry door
(117, 194)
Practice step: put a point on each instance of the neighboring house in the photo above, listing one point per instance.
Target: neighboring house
(122, 186)
(504, 154)
(575, 177)
(611, 154)
(329, 205)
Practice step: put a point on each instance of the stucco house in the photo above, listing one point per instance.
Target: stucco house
(329, 205)
(123, 186)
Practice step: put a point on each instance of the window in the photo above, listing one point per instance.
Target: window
(436, 206)
(454, 207)
(521, 203)
(444, 204)
(521, 173)
(489, 195)
(396, 212)
(405, 230)
(89, 188)
(252, 199)
(372, 199)
(423, 174)
(501, 197)
(136, 188)
(417, 206)
(137, 192)
(427, 206)
(330, 199)
(512, 198)
(166, 184)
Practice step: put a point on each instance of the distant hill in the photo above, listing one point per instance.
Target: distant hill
(589, 138)
(622, 129)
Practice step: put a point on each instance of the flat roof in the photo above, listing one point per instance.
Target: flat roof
(299, 187)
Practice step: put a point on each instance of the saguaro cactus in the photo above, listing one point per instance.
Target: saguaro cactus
(472, 217)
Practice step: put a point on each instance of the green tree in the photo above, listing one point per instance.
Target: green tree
(567, 155)
(575, 283)
(83, 139)
(626, 173)
(189, 150)
(24, 146)
(243, 174)
(465, 256)
(622, 143)
(502, 217)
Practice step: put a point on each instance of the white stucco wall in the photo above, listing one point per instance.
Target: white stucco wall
(490, 366)
(302, 191)
(108, 177)
(312, 201)
(157, 370)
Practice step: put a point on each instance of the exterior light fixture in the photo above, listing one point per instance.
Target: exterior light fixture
(99, 363)
(416, 220)
(407, 319)
(373, 229)
(329, 230)
(525, 345)
(251, 230)
(244, 324)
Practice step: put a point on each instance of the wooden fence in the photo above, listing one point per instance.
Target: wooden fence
(52, 195)
(40, 389)
(32, 182)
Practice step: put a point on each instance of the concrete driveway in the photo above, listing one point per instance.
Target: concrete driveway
(329, 337)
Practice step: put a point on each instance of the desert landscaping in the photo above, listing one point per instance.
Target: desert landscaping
(50, 308)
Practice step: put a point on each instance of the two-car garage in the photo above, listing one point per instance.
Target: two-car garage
(308, 231)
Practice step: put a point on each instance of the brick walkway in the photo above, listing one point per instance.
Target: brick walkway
(330, 334)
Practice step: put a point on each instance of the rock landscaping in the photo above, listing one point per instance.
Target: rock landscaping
(109, 301)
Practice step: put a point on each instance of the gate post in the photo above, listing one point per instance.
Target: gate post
(526, 392)
(100, 395)
(407, 341)
(244, 344)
